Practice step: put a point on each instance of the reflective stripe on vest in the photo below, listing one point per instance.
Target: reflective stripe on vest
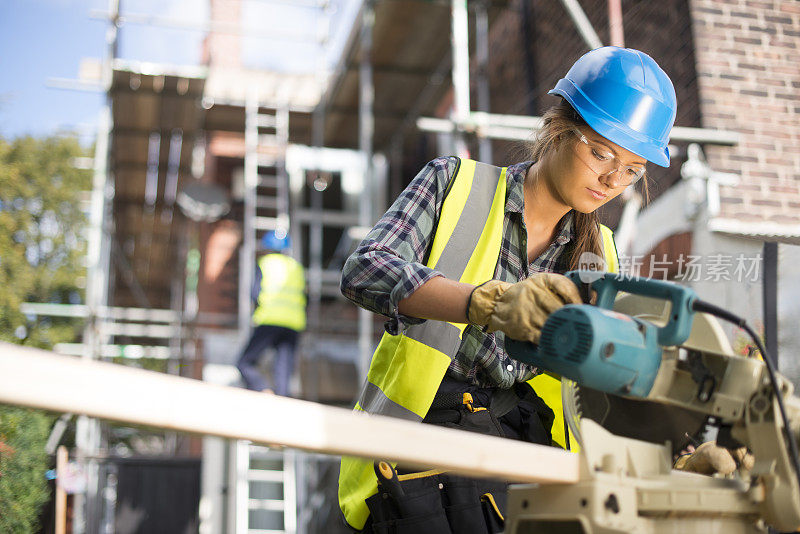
(549, 387)
(281, 300)
(407, 369)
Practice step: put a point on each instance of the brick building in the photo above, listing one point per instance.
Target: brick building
(748, 66)
(739, 196)
(749, 80)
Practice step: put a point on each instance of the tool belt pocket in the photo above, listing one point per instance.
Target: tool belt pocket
(434, 502)
(458, 410)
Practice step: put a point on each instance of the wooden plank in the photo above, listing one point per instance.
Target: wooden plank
(41, 379)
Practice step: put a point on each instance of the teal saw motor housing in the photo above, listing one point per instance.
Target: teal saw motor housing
(605, 350)
(598, 348)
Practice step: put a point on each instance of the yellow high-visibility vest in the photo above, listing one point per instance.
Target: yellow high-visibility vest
(407, 369)
(282, 299)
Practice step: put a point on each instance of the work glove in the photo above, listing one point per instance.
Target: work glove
(710, 459)
(520, 309)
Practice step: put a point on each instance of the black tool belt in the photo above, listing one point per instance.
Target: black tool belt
(518, 411)
(434, 502)
(440, 502)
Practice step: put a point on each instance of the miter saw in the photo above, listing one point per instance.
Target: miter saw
(658, 344)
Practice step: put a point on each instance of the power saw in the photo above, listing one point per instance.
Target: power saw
(658, 343)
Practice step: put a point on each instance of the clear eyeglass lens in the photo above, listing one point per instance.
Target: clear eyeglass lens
(603, 162)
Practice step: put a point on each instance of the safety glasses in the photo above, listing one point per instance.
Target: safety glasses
(603, 162)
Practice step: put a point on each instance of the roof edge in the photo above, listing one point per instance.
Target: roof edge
(765, 230)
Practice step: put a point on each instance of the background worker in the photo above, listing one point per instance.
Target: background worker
(469, 254)
(280, 315)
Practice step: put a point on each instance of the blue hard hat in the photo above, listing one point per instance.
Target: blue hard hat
(276, 240)
(623, 95)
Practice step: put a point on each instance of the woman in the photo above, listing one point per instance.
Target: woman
(469, 254)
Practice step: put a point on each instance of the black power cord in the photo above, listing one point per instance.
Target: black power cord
(707, 307)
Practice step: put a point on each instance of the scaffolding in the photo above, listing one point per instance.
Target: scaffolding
(139, 244)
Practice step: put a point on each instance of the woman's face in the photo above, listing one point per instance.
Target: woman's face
(588, 170)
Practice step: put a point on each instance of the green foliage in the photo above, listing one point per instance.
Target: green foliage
(42, 235)
(42, 247)
(23, 461)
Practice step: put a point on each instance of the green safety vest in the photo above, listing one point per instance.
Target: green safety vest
(407, 369)
(282, 299)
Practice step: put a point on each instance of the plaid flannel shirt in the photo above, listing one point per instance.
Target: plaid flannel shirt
(388, 266)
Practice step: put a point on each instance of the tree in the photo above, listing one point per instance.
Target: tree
(23, 462)
(42, 227)
(42, 246)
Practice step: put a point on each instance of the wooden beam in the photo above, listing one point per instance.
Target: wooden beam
(41, 379)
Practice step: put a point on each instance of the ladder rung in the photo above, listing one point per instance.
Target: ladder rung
(259, 451)
(328, 217)
(274, 505)
(267, 202)
(264, 475)
(267, 180)
(264, 531)
(265, 223)
(266, 121)
(266, 160)
(268, 139)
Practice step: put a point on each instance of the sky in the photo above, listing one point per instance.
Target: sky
(41, 40)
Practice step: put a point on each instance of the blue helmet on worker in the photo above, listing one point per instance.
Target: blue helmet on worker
(277, 240)
(623, 95)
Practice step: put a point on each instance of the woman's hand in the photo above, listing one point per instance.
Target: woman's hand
(521, 309)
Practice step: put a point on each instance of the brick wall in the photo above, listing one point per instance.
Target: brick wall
(748, 65)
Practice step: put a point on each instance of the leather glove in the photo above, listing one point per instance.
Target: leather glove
(520, 309)
(710, 458)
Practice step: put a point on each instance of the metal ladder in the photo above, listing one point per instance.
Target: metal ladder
(266, 490)
(265, 499)
(266, 188)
